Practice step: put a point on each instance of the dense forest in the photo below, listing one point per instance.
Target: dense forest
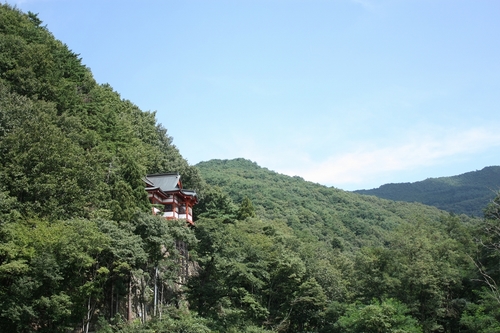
(467, 193)
(76, 233)
(80, 250)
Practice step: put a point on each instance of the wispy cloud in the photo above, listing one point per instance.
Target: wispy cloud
(366, 163)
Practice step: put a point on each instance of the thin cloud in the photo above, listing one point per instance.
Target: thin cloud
(365, 164)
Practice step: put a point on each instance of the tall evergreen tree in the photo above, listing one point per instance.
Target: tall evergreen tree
(246, 209)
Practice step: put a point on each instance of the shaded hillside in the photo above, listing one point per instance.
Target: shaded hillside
(467, 193)
(76, 233)
(332, 215)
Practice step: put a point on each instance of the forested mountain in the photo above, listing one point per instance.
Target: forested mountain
(467, 193)
(81, 251)
(76, 234)
(364, 252)
(341, 218)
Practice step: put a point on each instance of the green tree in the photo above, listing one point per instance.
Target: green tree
(246, 209)
(50, 274)
(248, 277)
(308, 307)
(429, 267)
(482, 315)
(214, 203)
(388, 316)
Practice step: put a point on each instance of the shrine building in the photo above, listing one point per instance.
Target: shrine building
(165, 191)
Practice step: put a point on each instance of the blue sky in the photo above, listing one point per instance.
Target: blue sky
(346, 93)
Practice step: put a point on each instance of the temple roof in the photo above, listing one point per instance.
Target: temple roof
(168, 182)
(164, 181)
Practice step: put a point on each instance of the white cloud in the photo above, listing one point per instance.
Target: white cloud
(369, 162)
(351, 162)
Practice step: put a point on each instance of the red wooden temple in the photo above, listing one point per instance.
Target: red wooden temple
(165, 191)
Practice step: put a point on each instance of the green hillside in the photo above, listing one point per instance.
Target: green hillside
(360, 252)
(59, 127)
(338, 217)
(76, 233)
(80, 250)
(467, 193)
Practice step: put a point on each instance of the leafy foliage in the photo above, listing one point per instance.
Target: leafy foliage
(360, 257)
(71, 147)
(388, 317)
(336, 217)
(80, 250)
(76, 234)
(39, 284)
(467, 194)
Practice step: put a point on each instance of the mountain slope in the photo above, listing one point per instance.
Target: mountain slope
(76, 232)
(353, 248)
(76, 253)
(467, 193)
(328, 214)
(71, 147)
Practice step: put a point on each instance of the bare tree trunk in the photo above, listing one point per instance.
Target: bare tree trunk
(155, 299)
(143, 303)
(117, 302)
(111, 307)
(144, 316)
(86, 322)
(129, 306)
(161, 300)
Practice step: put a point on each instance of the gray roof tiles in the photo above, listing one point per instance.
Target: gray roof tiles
(165, 181)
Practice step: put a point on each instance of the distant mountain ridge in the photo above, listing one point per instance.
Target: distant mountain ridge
(467, 193)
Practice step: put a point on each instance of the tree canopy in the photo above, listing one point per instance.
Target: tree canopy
(80, 249)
